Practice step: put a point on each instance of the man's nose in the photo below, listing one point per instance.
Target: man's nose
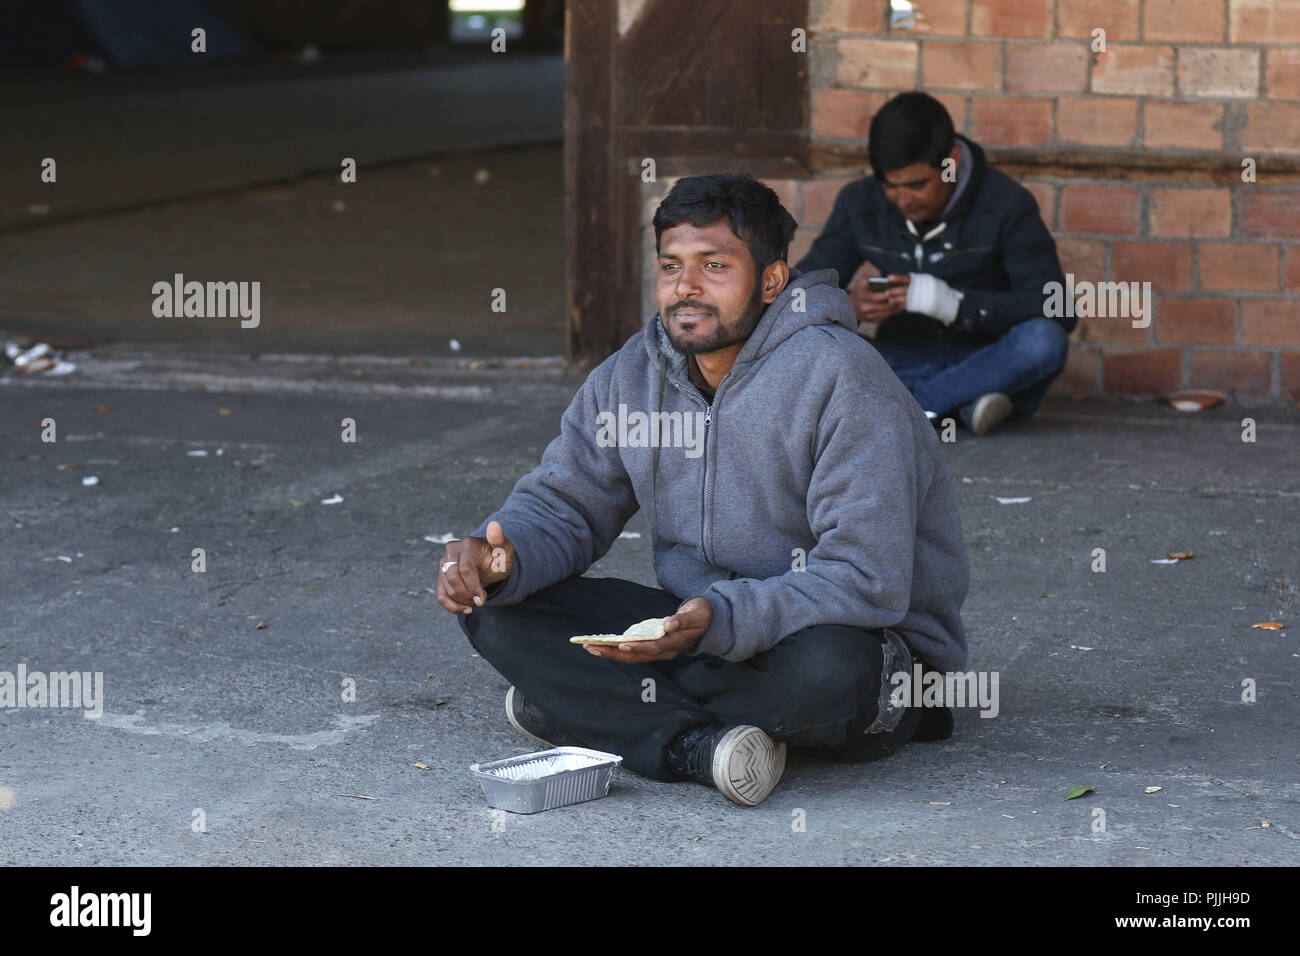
(688, 283)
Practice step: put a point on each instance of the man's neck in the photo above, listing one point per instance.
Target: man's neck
(713, 367)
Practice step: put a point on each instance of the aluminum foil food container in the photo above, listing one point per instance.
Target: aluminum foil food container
(547, 779)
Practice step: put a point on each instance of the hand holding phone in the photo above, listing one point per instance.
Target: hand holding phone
(880, 296)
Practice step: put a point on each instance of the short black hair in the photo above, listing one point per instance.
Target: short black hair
(911, 128)
(753, 211)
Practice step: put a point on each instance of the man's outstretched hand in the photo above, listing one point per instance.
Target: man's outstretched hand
(468, 565)
(682, 633)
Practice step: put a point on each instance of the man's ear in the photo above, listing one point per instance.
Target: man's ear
(775, 278)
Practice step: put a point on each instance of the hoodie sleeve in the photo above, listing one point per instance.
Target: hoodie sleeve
(563, 515)
(835, 248)
(1030, 263)
(862, 508)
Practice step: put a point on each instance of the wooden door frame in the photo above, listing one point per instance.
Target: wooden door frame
(610, 122)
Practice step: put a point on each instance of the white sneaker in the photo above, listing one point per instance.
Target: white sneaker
(986, 412)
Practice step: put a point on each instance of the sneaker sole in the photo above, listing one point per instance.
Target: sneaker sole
(747, 765)
(989, 412)
(514, 721)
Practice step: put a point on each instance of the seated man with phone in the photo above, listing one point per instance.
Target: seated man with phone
(964, 260)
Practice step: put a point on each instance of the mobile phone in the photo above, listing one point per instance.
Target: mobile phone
(880, 283)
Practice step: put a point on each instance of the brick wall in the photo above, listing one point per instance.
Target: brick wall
(1134, 154)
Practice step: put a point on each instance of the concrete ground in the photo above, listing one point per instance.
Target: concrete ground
(232, 174)
(1122, 681)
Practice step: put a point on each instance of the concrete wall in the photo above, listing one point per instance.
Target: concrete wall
(1135, 155)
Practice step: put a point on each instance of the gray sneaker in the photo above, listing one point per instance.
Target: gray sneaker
(986, 412)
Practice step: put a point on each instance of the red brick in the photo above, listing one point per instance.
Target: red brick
(1291, 271)
(1108, 210)
(877, 64)
(1112, 329)
(1218, 71)
(1269, 213)
(1011, 120)
(1191, 212)
(1166, 265)
(955, 104)
(1011, 18)
(1096, 121)
(851, 16)
(819, 197)
(1142, 371)
(941, 17)
(1270, 322)
(802, 242)
(1085, 259)
(1243, 266)
(1047, 67)
(1282, 73)
(1136, 70)
(1186, 125)
(1113, 315)
(1080, 374)
(845, 113)
(1045, 196)
(1201, 321)
(961, 65)
(1272, 128)
(787, 190)
(1078, 18)
(1264, 21)
(1237, 373)
(1291, 375)
(1195, 20)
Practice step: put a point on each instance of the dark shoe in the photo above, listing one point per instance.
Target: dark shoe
(531, 722)
(936, 724)
(986, 412)
(742, 762)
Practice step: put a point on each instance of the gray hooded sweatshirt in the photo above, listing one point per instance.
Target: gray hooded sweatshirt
(811, 491)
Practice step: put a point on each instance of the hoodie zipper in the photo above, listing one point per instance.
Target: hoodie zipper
(704, 496)
(704, 502)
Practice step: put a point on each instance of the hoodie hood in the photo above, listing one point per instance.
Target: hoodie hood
(819, 301)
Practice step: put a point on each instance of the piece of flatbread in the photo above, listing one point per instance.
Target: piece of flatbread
(648, 630)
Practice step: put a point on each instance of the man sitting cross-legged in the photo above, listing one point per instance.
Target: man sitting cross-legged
(805, 532)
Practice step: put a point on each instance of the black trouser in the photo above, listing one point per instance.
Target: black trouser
(819, 687)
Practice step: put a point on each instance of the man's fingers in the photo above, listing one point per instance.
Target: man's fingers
(458, 578)
(467, 573)
(443, 593)
(457, 589)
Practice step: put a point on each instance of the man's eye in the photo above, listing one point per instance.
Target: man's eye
(718, 264)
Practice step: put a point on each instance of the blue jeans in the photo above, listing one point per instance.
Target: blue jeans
(943, 376)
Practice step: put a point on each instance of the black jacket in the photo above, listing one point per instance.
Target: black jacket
(995, 249)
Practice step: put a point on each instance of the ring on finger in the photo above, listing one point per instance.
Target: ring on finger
(448, 564)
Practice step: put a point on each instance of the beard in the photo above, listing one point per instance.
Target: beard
(721, 336)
